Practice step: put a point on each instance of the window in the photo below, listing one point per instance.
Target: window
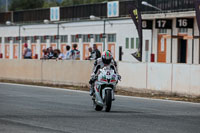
(64, 39)
(42, 39)
(111, 37)
(162, 31)
(7, 39)
(33, 39)
(85, 38)
(127, 43)
(53, 39)
(132, 43)
(16, 40)
(25, 39)
(183, 30)
(74, 39)
(137, 43)
(97, 38)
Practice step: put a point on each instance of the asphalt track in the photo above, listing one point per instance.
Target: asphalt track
(29, 109)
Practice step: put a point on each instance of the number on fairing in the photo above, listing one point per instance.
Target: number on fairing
(108, 73)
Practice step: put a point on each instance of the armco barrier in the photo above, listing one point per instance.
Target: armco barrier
(168, 78)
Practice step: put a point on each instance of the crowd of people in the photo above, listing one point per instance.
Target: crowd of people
(71, 54)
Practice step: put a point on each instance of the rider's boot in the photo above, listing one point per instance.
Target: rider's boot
(91, 90)
(113, 97)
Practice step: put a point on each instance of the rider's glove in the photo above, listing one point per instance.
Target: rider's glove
(119, 77)
(93, 78)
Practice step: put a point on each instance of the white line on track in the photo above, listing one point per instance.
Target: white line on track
(79, 91)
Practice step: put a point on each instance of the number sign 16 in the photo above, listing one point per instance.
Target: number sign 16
(184, 23)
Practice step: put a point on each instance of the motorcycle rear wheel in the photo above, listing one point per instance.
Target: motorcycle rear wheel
(108, 100)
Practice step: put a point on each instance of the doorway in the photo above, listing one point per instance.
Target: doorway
(182, 50)
(162, 49)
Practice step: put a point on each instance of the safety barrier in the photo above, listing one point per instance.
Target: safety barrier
(168, 78)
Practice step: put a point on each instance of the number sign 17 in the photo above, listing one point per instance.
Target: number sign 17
(161, 23)
(164, 23)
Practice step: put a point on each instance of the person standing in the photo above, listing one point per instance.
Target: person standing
(75, 53)
(92, 54)
(27, 52)
(96, 52)
(68, 53)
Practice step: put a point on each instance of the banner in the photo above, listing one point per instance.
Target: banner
(113, 9)
(137, 19)
(55, 13)
(197, 9)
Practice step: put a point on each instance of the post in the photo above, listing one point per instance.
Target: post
(58, 29)
(104, 34)
(6, 5)
(19, 55)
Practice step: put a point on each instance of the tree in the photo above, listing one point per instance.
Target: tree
(67, 3)
(26, 4)
(50, 4)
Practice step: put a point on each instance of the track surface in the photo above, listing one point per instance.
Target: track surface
(29, 109)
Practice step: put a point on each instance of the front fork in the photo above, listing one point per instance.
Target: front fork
(104, 93)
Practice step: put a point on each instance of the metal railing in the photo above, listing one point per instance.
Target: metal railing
(100, 10)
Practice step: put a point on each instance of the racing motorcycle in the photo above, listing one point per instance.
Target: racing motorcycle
(104, 87)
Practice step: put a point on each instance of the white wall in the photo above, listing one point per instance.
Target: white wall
(122, 28)
(133, 75)
(159, 77)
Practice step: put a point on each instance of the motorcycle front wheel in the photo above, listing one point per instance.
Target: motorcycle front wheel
(108, 100)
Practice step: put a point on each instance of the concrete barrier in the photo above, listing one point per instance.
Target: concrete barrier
(159, 77)
(29, 70)
(181, 78)
(66, 72)
(133, 75)
(195, 80)
(168, 78)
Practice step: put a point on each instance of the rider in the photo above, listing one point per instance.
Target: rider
(105, 60)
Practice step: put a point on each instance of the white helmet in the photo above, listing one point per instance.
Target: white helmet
(106, 57)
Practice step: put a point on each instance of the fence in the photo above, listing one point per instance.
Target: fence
(100, 10)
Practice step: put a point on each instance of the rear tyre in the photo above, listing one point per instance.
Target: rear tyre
(108, 100)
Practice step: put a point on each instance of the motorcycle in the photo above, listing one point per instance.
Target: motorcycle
(104, 88)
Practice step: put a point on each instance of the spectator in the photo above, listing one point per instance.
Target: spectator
(92, 54)
(50, 52)
(75, 54)
(45, 54)
(61, 56)
(67, 56)
(56, 53)
(27, 52)
(97, 53)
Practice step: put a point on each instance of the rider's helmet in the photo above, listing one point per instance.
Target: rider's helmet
(106, 57)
